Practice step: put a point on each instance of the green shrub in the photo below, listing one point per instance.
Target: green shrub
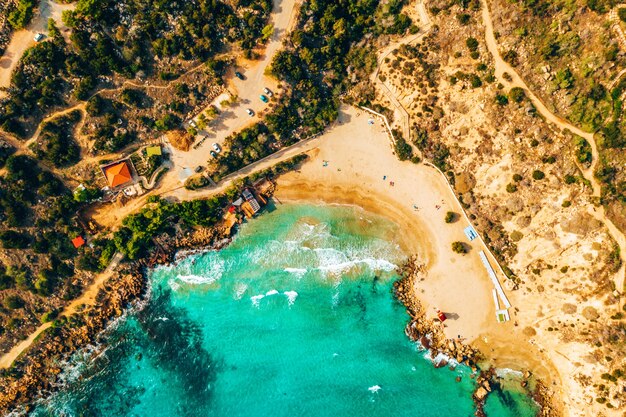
(450, 217)
(517, 94)
(570, 179)
(463, 18)
(14, 240)
(404, 151)
(538, 175)
(49, 316)
(459, 247)
(566, 204)
(511, 188)
(517, 177)
(471, 43)
(21, 16)
(13, 302)
(502, 100)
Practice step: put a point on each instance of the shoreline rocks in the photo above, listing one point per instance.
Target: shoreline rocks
(429, 333)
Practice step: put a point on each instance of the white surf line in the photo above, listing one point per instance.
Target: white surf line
(494, 279)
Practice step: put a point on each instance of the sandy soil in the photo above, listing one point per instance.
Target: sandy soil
(359, 156)
(24, 39)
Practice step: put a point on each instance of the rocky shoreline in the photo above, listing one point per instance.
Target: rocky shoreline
(429, 333)
(36, 373)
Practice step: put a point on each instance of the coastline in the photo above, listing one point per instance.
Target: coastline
(349, 168)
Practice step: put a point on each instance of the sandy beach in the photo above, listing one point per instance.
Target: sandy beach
(355, 165)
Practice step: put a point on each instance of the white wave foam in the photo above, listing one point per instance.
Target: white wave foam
(240, 289)
(345, 266)
(374, 388)
(256, 298)
(291, 296)
(271, 292)
(508, 372)
(297, 272)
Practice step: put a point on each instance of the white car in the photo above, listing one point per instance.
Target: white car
(192, 123)
(268, 91)
(38, 37)
(250, 112)
(216, 148)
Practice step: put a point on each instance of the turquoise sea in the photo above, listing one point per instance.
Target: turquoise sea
(295, 318)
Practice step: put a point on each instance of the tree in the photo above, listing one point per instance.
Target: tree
(502, 100)
(267, 32)
(459, 247)
(13, 302)
(471, 43)
(538, 175)
(517, 94)
(450, 217)
(463, 18)
(14, 240)
(403, 149)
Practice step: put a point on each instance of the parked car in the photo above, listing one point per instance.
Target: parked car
(216, 148)
(199, 168)
(239, 75)
(38, 37)
(264, 99)
(192, 123)
(250, 112)
(268, 91)
(213, 154)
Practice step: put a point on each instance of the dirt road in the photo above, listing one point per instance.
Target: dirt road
(516, 81)
(234, 118)
(88, 298)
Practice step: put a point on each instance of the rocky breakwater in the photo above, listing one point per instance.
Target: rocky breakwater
(36, 372)
(428, 331)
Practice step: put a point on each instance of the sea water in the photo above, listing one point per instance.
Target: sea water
(295, 318)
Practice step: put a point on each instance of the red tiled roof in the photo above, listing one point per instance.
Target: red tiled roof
(78, 241)
(118, 174)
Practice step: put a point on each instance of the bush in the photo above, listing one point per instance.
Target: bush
(570, 179)
(517, 94)
(450, 217)
(463, 18)
(517, 177)
(22, 14)
(14, 240)
(475, 81)
(404, 151)
(510, 56)
(538, 175)
(13, 302)
(459, 247)
(471, 43)
(511, 188)
(49, 316)
(502, 100)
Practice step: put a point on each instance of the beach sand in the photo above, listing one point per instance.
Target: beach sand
(354, 165)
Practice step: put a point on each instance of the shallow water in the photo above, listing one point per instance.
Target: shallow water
(295, 318)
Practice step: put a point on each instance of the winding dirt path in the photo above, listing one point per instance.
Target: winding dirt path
(384, 53)
(597, 212)
(282, 16)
